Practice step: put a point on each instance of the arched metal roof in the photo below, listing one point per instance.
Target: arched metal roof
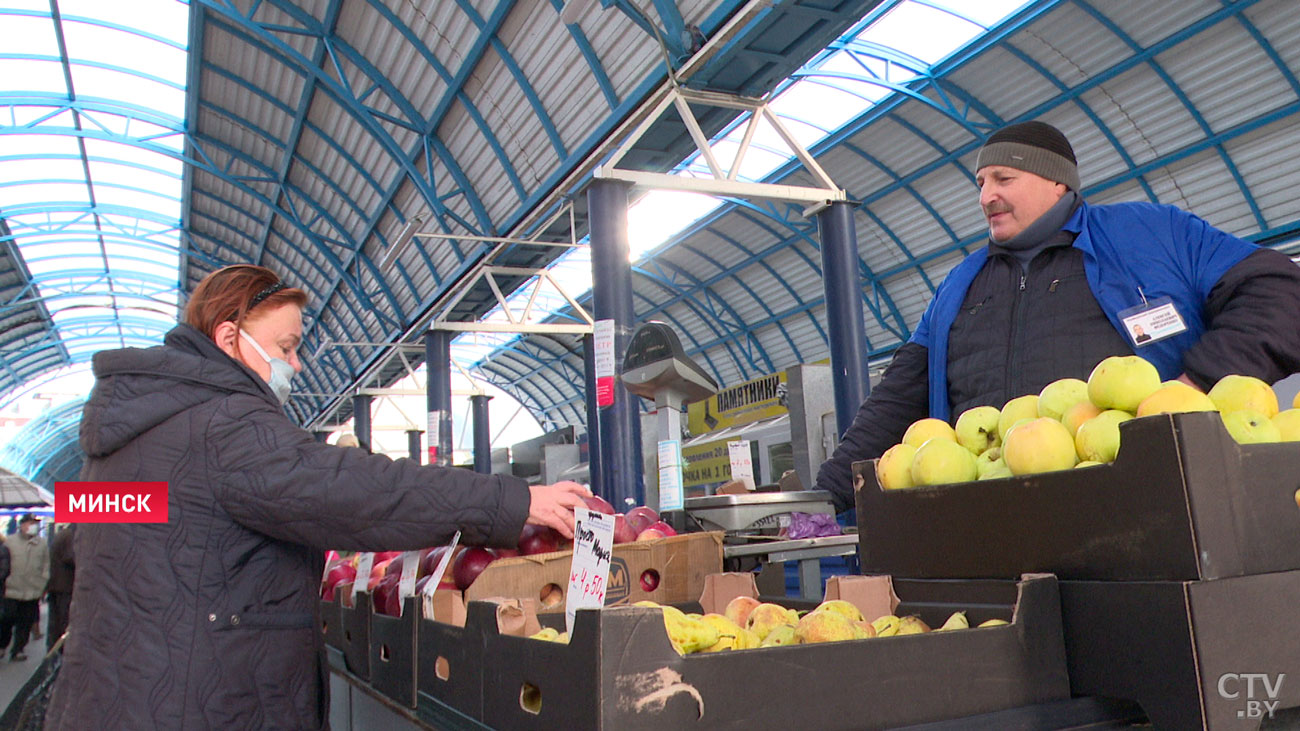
(313, 134)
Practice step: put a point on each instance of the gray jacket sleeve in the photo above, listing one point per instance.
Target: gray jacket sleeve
(901, 397)
(276, 479)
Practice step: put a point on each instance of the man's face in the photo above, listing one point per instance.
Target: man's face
(1012, 199)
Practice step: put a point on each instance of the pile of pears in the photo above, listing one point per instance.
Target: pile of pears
(1073, 423)
(747, 623)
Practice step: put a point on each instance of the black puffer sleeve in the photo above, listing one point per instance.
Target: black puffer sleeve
(1253, 316)
(274, 478)
(901, 397)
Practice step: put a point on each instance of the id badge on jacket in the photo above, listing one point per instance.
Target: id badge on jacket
(1152, 321)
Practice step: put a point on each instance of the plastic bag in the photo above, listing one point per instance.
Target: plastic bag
(812, 525)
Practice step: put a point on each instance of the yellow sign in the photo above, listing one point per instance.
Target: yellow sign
(750, 401)
(705, 464)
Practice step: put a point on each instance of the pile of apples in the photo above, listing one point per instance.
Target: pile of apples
(1073, 423)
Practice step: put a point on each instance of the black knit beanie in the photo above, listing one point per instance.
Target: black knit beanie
(1035, 147)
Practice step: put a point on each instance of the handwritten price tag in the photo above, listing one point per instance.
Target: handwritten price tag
(431, 585)
(593, 543)
(742, 462)
(364, 565)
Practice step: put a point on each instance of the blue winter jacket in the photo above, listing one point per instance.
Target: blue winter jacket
(1130, 251)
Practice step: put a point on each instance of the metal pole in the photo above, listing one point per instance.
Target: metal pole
(361, 420)
(593, 413)
(482, 435)
(437, 367)
(844, 312)
(413, 444)
(321, 436)
(611, 275)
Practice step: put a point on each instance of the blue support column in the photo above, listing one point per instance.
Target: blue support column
(593, 413)
(844, 312)
(611, 277)
(321, 436)
(482, 435)
(437, 366)
(413, 445)
(361, 420)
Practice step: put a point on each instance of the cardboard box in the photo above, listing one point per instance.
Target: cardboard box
(620, 671)
(680, 564)
(1182, 502)
(356, 633)
(331, 622)
(393, 652)
(1217, 654)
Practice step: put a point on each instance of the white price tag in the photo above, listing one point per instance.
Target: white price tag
(406, 584)
(742, 462)
(670, 476)
(593, 545)
(436, 578)
(364, 565)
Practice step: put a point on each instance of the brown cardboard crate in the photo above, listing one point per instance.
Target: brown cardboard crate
(620, 671)
(1183, 650)
(356, 634)
(1182, 501)
(681, 563)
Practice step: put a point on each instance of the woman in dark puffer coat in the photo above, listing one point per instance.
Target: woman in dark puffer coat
(210, 619)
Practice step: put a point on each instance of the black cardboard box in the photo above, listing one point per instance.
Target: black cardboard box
(1220, 654)
(356, 635)
(1182, 501)
(620, 671)
(450, 661)
(331, 622)
(393, 653)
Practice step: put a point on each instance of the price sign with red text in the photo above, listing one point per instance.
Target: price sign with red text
(363, 574)
(593, 544)
(603, 339)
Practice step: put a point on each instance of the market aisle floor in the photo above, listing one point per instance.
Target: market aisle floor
(14, 674)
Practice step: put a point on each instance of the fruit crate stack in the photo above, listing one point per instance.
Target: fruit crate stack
(1179, 563)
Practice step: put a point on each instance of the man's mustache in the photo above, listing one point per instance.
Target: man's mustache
(996, 209)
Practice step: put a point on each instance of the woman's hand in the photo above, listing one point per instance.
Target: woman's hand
(552, 505)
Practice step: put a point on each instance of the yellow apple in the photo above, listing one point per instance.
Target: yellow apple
(1060, 395)
(939, 462)
(1088, 463)
(1175, 397)
(1077, 414)
(1251, 427)
(1015, 410)
(1098, 438)
(1237, 393)
(894, 468)
(1295, 402)
(990, 465)
(1042, 445)
(1288, 424)
(923, 430)
(977, 429)
(1122, 382)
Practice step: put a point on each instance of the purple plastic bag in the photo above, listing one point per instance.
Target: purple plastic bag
(812, 525)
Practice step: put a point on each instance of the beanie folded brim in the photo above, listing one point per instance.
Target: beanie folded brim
(1031, 159)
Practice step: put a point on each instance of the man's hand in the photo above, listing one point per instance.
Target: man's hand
(1184, 379)
(552, 505)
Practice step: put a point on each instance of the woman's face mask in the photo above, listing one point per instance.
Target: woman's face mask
(281, 372)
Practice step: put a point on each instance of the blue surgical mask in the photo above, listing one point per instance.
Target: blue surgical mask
(281, 372)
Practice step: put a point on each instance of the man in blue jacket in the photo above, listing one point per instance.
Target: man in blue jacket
(1063, 284)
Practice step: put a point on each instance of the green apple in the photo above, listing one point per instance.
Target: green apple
(1251, 427)
(894, 468)
(939, 462)
(1077, 414)
(990, 465)
(923, 430)
(1022, 407)
(1060, 395)
(1288, 424)
(1122, 382)
(1175, 397)
(977, 429)
(1238, 393)
(1098, 438)
(1042, 445)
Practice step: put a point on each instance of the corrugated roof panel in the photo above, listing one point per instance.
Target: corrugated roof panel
(1071, 44)
(1227, 77)
(478, 161)
(1149, 122)
(1269, 161)
(499, 98)
(1010, 93)
(627, 53)
(1150, 23)
(1196, 184)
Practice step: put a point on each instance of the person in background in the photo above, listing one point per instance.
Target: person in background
(1055, 292)
(29, 570)
(62, 572)
(211, 620)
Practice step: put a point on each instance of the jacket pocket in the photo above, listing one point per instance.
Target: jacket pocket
(268, 620)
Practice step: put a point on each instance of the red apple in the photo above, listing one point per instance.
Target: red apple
(332, 556)
(623, 532)
(649, 580)
(650, 534)
(421, 583)
(641, 517)
(385, 555)
(506, 552)
(337, 574)
(470, 564)
(386, 599)
(376, 573)
(538, 539)
(598, 504)
(664, 528)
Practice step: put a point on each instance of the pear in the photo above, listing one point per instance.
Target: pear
(886, 626)
(562, 638)
(767, 617)
(993, 623)
(746, 640)
(840, 606)
(824, 627)
(738, 609)
(780, 635)
(912, 625)
(957, 620)
(547, 634)
(863, 630)
(728, 632)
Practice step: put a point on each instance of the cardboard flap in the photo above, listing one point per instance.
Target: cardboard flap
(444, 606)
(720, 589)
(517, 617)
(873, 595)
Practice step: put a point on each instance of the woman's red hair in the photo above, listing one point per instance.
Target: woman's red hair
(227, 294)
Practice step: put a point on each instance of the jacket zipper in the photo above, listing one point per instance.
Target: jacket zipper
(1012, 371)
